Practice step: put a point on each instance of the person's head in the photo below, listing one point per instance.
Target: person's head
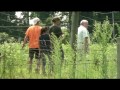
(36, 21)
(56, 20)
(44, 29)
(84, 23)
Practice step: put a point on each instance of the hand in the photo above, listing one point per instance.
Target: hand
(23, 45)
(85, 48)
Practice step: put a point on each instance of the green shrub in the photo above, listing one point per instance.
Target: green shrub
(4, 37)
(102, 34)
(66, 35)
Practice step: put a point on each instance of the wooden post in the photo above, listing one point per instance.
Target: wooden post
(118, 58)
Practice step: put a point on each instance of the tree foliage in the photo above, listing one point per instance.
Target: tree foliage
(10, 19)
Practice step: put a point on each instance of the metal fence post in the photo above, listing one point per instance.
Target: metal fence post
(118, 58)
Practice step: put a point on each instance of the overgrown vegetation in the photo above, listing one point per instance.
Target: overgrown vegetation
(102, 34)
(99, 63)
(4, 37)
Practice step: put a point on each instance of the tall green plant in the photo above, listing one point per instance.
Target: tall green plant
(102, 35)
(118, 26)
(56, 55)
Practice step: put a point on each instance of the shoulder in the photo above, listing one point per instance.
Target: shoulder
(31, 27)
(51, 26)
(35, 26)
(57, 27)
(38, 27)
(54, 26)
(80, 29)
(83, 29)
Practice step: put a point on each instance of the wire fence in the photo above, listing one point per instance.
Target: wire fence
(86, 67)
(89, 67)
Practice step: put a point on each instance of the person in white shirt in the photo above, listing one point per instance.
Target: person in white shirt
(83, 39)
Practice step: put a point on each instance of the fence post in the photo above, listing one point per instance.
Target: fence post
(118, 58)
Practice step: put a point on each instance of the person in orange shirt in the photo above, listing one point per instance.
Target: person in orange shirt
(32, 35)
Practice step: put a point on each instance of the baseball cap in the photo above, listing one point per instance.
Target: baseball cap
(35, 20)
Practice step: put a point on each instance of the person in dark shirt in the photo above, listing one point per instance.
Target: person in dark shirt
(45, 47)
(45, 40)
(56, 30)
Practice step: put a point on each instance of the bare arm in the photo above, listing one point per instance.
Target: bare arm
(24, 42)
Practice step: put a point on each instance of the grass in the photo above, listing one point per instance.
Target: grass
(14, 63)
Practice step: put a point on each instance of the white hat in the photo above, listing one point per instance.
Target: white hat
(35, 20)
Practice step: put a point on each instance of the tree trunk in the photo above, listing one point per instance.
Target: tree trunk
(74, 26)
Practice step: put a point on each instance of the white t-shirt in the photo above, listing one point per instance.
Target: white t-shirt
(82, 33)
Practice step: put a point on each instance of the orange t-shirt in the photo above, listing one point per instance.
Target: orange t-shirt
(33, 33)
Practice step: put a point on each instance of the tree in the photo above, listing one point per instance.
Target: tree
(5, 20)
(44, 16)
